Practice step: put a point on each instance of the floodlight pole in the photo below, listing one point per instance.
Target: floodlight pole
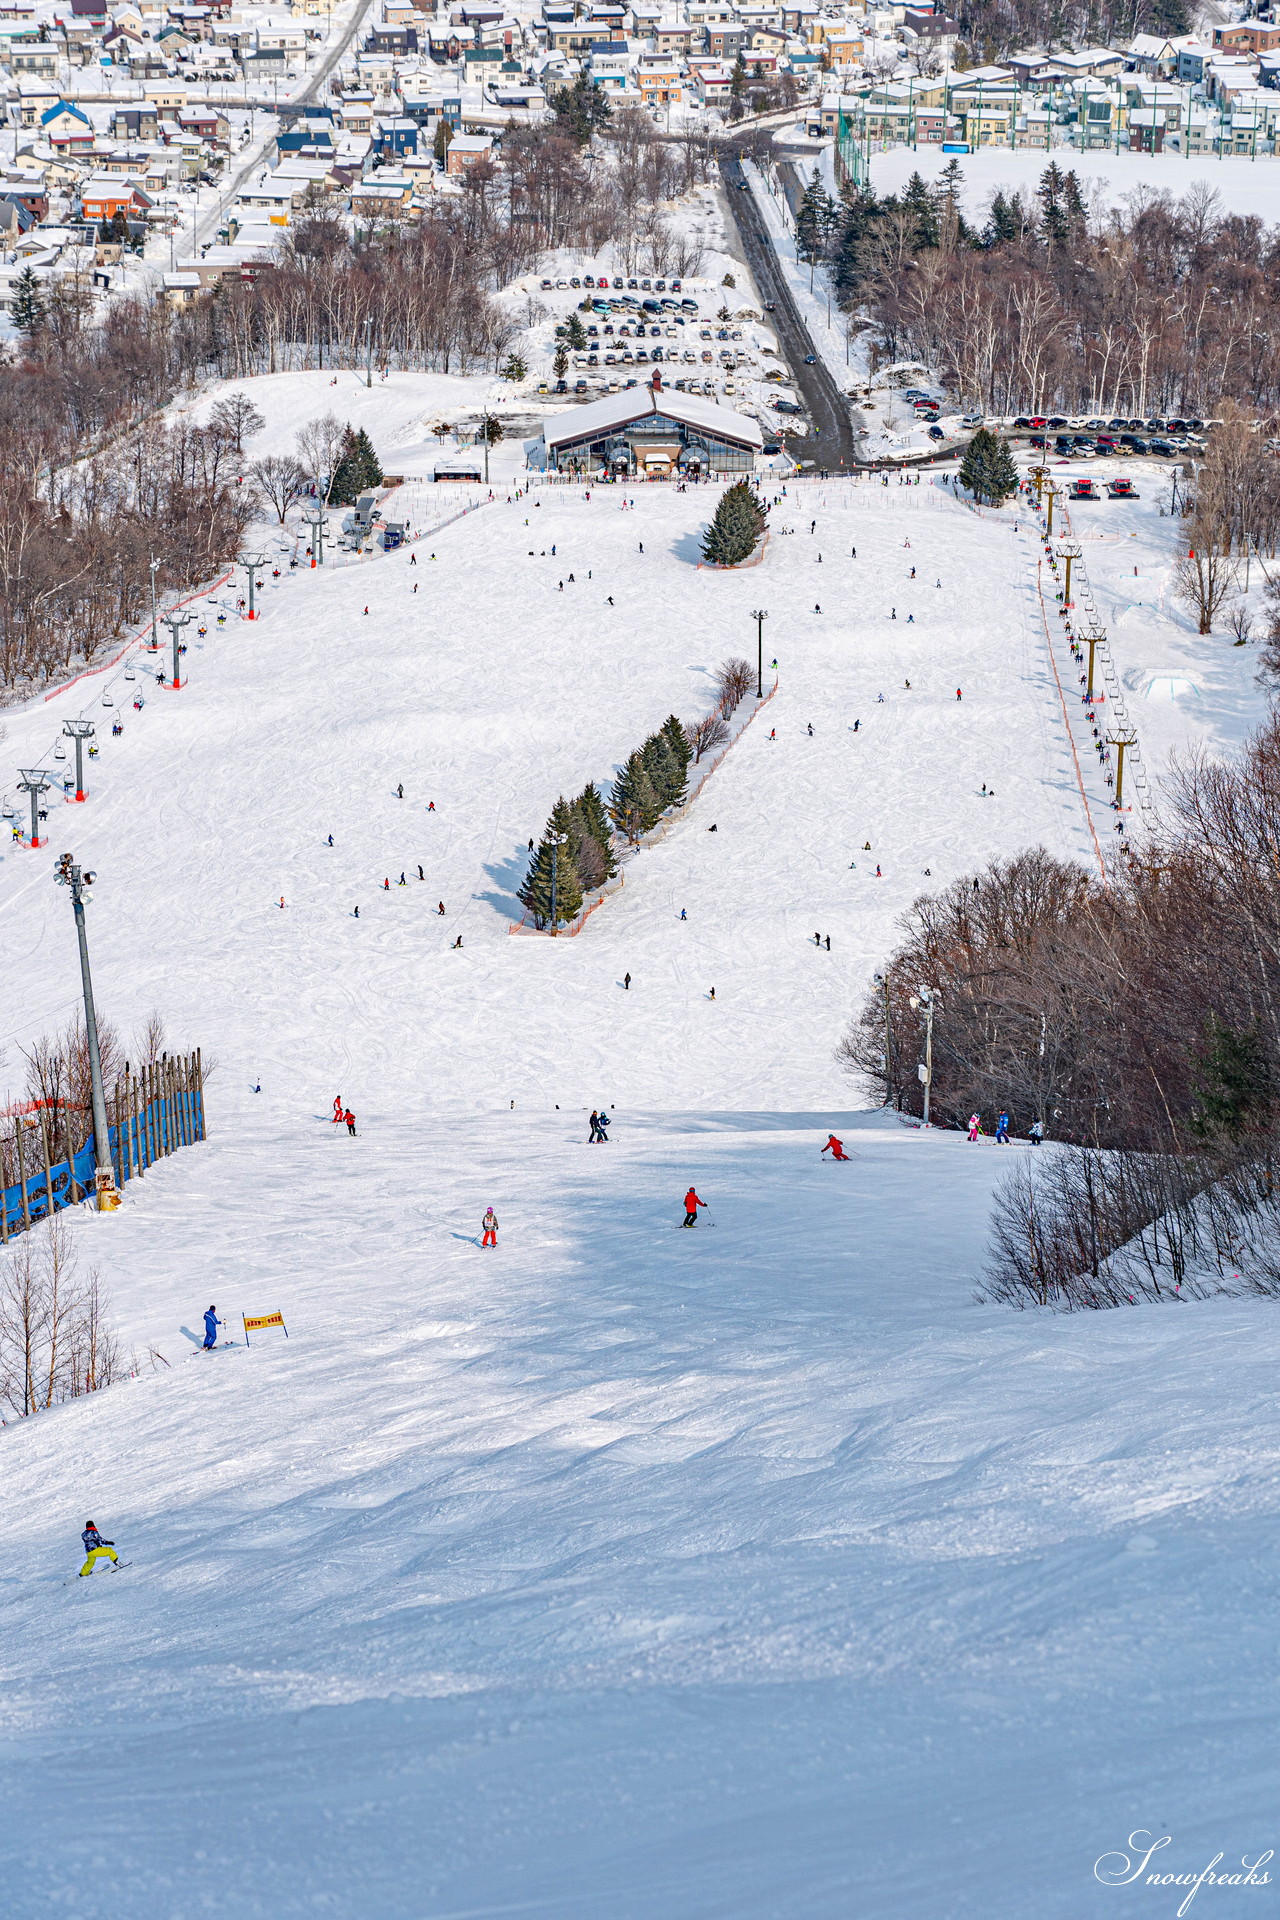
(104, 1180)
(929, 997)
(759, 617)
(175, 623)
(79, 731)
(35, 781)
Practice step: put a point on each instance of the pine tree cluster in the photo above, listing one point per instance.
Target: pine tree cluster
(737, 528)
(987, 468)
(654, 778)
(358, 469)
(574, 856)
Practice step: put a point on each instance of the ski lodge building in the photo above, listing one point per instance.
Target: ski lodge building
(648, 432)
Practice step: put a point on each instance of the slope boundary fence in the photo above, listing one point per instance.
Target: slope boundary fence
(151, 1115)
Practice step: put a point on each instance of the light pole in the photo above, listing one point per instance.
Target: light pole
(759, 617)
(79, 731)
(883, 984)
(252, 561)
(927, 997)
(35, 781)
(153, 566)
(175, 623)
(70, 875)
(317, 523)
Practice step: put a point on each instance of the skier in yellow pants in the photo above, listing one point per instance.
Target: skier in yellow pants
(97, 1549)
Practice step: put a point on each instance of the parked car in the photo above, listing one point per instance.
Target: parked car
(936, 433)
(1058, 420)
(971, 420)
(1161, 447)
(788, 406)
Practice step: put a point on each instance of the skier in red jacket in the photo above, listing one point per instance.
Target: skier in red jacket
(835, 1148)
(691, 1205)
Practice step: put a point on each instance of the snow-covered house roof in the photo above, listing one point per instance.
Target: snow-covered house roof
(619, 410)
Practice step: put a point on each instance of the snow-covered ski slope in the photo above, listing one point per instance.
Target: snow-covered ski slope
(747, 1572)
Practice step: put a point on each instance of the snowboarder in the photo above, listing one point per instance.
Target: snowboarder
(350, 1119)
(211, 1324)
(683, 914)
(691, 1205)
(400, 791)
(440, 906)
(975, 1124)
(490, 1224)
(457, 943)
(712, 994)
(626, 983)
(97, 1549)
(330, 839)
(835, 1148)
(811, 729)
(1002, 1129)
(959, 695)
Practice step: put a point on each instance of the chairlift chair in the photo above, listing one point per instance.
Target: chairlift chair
(59, 752)
(107, 701)
(129, 674)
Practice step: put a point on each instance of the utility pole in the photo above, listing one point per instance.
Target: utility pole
(79, 731)
(35, 781)
(317, 523)
(759, 617)
(68, 874)
(927, 997)
(1120, 741)
(555, 922)
(252, 561)
(175, 623)
(155, 637)
(1092, 639)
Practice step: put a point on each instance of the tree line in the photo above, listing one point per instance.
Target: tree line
(1160, 305)
(1137, 1020)
(576, 854)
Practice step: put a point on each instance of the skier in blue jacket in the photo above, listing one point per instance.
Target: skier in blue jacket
(211, 1324)
(96, 1548)
(1002, 1129)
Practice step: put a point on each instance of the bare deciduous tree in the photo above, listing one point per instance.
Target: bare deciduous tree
(282, 479)
(704, 734)
(237, 415)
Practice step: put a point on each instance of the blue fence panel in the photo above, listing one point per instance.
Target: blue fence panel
(138, 1144)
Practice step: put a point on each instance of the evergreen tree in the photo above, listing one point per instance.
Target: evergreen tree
(987, 469)
(589, 808)
(560, 363)
(855, 248)
(367, 463)
(1234, 1084)
(1003, 224)
(357, 470)
(443, 137)
(816, 220)
(514, 367)
(919, 201)
(662, 768)
(736, 530)
(633, 805)
(575, 334)
(1053, 215)
(27, 306)
(682, 752)
(579, 110)
(552, 889)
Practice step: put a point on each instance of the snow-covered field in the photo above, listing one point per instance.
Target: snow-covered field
(1246, 186)
(754, 1574)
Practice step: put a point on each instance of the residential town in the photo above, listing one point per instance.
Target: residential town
(167, 150)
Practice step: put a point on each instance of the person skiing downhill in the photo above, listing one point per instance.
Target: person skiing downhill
(835, 1148)
(595, 1128)
(350, 1119)
(1002, 1129)
(490, 1224)
(210, 1329)
(97, 1549)
(337, 1108)
(691, 1205)
(975, 1122)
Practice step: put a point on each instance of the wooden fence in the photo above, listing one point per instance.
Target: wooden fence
(150, 1114)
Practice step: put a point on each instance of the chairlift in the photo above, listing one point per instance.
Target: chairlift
(107, 701)
(6, 811)
(59, 752)
(129, 674)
